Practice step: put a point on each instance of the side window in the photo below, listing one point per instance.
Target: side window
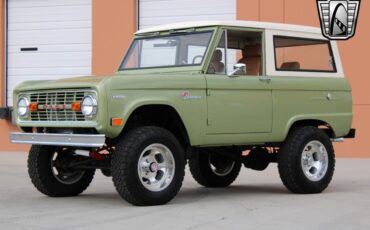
(302, 54)
(242, 47)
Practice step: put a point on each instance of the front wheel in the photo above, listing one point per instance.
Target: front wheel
(306, 162)
(148, 166)
(213, 170)
(50, 174)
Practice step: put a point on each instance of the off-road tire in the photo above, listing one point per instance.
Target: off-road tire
(289, 160)
(40, 172)
(202, 172)
(124, 166)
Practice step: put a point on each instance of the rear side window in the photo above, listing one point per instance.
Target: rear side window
(301, 54)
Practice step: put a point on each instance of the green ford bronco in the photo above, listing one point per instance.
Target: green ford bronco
(217, 95)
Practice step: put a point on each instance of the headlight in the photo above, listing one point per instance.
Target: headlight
(23, 104)
(89, 106)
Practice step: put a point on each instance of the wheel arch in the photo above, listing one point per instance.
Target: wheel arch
(325, 126)
(161, 115)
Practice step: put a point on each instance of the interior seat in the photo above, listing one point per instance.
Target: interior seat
(252, 59)
(294, 65)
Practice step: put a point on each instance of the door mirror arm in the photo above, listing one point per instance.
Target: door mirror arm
(239, 68)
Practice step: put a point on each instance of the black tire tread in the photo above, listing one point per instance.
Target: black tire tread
(123, 157)
(289, 172)
(44, 184)
(201, 174)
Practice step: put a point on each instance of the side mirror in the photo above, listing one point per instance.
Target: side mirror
(239, 68)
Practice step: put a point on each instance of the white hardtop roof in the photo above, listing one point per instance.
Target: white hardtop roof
(236, 23)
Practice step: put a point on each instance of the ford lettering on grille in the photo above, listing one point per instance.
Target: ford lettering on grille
(52, 107)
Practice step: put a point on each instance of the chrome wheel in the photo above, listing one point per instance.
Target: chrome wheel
(314, 161)
(220, 166)
(60, 172)
(156, 167)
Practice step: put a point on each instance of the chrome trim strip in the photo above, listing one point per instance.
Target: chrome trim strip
(63, 124)
(340, 139)
(57, 139)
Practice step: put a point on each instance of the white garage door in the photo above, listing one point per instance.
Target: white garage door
(48, 39)
(157, 12)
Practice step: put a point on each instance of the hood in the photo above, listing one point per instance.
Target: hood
(65, 83)
(118, 81)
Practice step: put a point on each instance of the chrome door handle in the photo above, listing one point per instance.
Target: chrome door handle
(266, 79)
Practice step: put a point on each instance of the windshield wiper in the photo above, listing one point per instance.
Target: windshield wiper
(149, 34)
(186, 31)
(176, 32)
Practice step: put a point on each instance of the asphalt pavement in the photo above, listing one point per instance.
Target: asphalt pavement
(257, 200)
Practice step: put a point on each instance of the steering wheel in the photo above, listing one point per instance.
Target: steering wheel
(195, 58)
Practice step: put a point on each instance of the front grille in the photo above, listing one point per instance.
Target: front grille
(57, 106)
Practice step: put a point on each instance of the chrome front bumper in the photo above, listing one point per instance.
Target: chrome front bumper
(79, 140)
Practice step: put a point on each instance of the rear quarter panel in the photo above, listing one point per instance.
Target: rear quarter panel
(311, 98)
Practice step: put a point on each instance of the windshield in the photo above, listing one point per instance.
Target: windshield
(167, 51)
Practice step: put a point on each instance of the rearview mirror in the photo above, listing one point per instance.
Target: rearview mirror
(239, 68)
(169, 43)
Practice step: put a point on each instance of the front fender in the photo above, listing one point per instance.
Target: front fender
(123, 103)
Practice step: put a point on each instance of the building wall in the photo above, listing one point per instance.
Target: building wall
(114, 23)
(113, 27)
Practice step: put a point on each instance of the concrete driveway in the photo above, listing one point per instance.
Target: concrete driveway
(257, 200)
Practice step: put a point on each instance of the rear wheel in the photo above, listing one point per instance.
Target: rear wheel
(48, 168)
(213, 170)
(306, 162)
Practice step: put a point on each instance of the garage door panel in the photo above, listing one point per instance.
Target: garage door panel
(48, 18)
(50, 25)
(148, 22)
(66, 36)
(185, 10)
(45, 3)
(49, 60)
(53, 48)
(154, 12)
(203, 3)
(188, 7)
(202, 16)
(50, 11)
(35, 72)
(61, 30)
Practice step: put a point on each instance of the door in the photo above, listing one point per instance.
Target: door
(240, 102)
(47, 40)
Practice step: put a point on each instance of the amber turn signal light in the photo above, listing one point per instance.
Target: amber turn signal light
(116, 121)
(76, 106)
(33, 107)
